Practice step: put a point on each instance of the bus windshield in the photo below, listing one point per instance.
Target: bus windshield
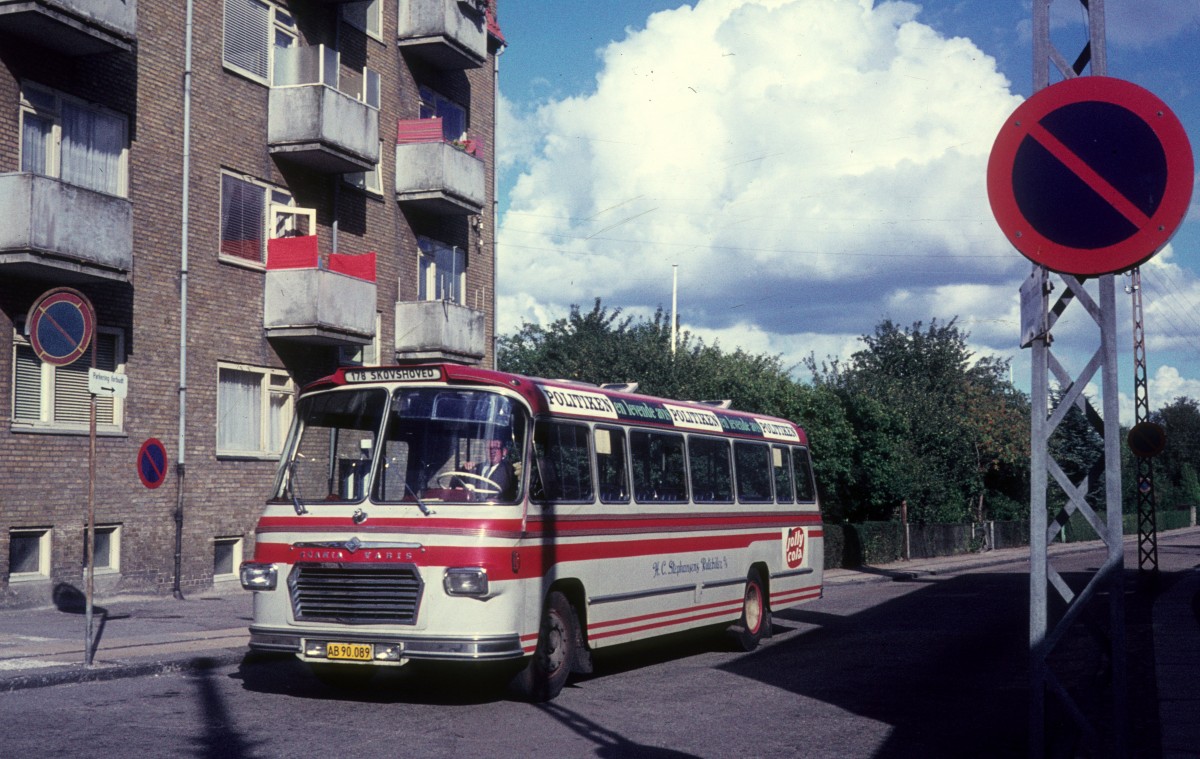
(421, 444)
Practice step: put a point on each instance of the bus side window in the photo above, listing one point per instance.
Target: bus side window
(658, 467)
(781, 462)
(708, 464)
(753, 466)
(806, 489)
(563, 460)
(611, 470)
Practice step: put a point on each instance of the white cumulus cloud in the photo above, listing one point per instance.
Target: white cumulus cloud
(812, 166)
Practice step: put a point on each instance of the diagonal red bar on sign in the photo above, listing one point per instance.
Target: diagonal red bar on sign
(1085, 172)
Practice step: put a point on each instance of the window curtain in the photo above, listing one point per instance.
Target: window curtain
(92, 143)
(243, 206)
(36, 134)
(238, 411)
(247, 35)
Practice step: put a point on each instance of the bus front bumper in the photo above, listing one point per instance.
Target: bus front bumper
(314, 645)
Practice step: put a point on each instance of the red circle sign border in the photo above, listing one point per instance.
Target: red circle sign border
(146, 446)
(37, 313)
(1127, 253)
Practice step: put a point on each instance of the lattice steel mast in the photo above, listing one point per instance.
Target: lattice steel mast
(1038, 320)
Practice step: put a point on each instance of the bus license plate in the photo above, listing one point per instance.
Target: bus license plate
(350, 651)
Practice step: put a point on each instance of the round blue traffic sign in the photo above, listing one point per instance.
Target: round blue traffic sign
(152, 463)
(1090, 176)
(61, 325)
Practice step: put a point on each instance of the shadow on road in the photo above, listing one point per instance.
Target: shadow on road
(220, 739)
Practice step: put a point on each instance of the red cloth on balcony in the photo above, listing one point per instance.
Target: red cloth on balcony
(411, 131)
(292, 253)
(359, 266)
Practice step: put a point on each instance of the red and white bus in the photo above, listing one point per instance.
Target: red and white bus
(453, 513)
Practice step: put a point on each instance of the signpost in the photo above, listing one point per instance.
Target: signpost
(1090, 176)
(61, 326)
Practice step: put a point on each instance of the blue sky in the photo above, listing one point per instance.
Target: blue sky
(811, 166)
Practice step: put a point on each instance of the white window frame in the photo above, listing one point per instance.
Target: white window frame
(278, 30)
(236, 544)
(366, 16)
(57, 384)
(280, 218)
(273, 384)
(113, 533)
(370, 182)
(43, 535)
(432, 256)
(363, 355)
(45, 103)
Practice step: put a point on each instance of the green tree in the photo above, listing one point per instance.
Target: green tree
(935, 426)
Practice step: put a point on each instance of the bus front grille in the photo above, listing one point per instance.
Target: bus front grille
(355, 594)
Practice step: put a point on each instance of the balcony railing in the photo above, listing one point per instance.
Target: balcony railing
(440, 331)
(319, 118)
(72, 27)
(436, 175)
(449, 34)
(330, 302)
(54, 230)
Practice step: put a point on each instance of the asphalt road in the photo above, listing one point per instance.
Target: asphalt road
(931, 667)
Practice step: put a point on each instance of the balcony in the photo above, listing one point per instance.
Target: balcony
(72, 27)
(437, 176)
(53, 230)
(447, 34)
(319, 118)
(308, 303)
(440, 331)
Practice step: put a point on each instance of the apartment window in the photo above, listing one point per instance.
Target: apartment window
(28, 553)
(453, 115)
(366, 15)
(107, 550)
(254, 410)
(57, 397)
(227, 557)
(80, 143)
(363, 355)
(252, 212)
(368, 181)
(442, 271)
(253, 29)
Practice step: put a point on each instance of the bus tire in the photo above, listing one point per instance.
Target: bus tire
(755, 623)
(546, 672)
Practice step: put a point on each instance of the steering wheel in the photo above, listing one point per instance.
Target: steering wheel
(493, 490)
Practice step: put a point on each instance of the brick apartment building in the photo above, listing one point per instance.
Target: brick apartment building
(338, 208)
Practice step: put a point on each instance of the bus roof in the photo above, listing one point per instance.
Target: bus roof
(567, 398)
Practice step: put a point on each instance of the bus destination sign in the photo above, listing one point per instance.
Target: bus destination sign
(426, 374)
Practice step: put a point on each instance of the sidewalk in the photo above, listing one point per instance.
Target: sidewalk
(141, 635)
(138, 636)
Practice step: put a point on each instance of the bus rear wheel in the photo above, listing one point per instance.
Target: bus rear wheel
(755, 623)
(557, 649)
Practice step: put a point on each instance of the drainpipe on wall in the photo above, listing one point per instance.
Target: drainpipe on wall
(495, 205)
(181, 454)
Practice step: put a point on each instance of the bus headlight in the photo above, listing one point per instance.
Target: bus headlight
(258, 576)
(466, 581)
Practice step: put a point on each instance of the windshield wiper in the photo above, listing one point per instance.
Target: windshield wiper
(291, 486)
(420, 504)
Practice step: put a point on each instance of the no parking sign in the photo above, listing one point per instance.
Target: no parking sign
(1090, 176)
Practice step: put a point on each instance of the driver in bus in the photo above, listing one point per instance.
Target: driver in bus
(497, 470)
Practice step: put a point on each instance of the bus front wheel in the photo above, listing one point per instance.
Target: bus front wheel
(755, 623)
(557, 649)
